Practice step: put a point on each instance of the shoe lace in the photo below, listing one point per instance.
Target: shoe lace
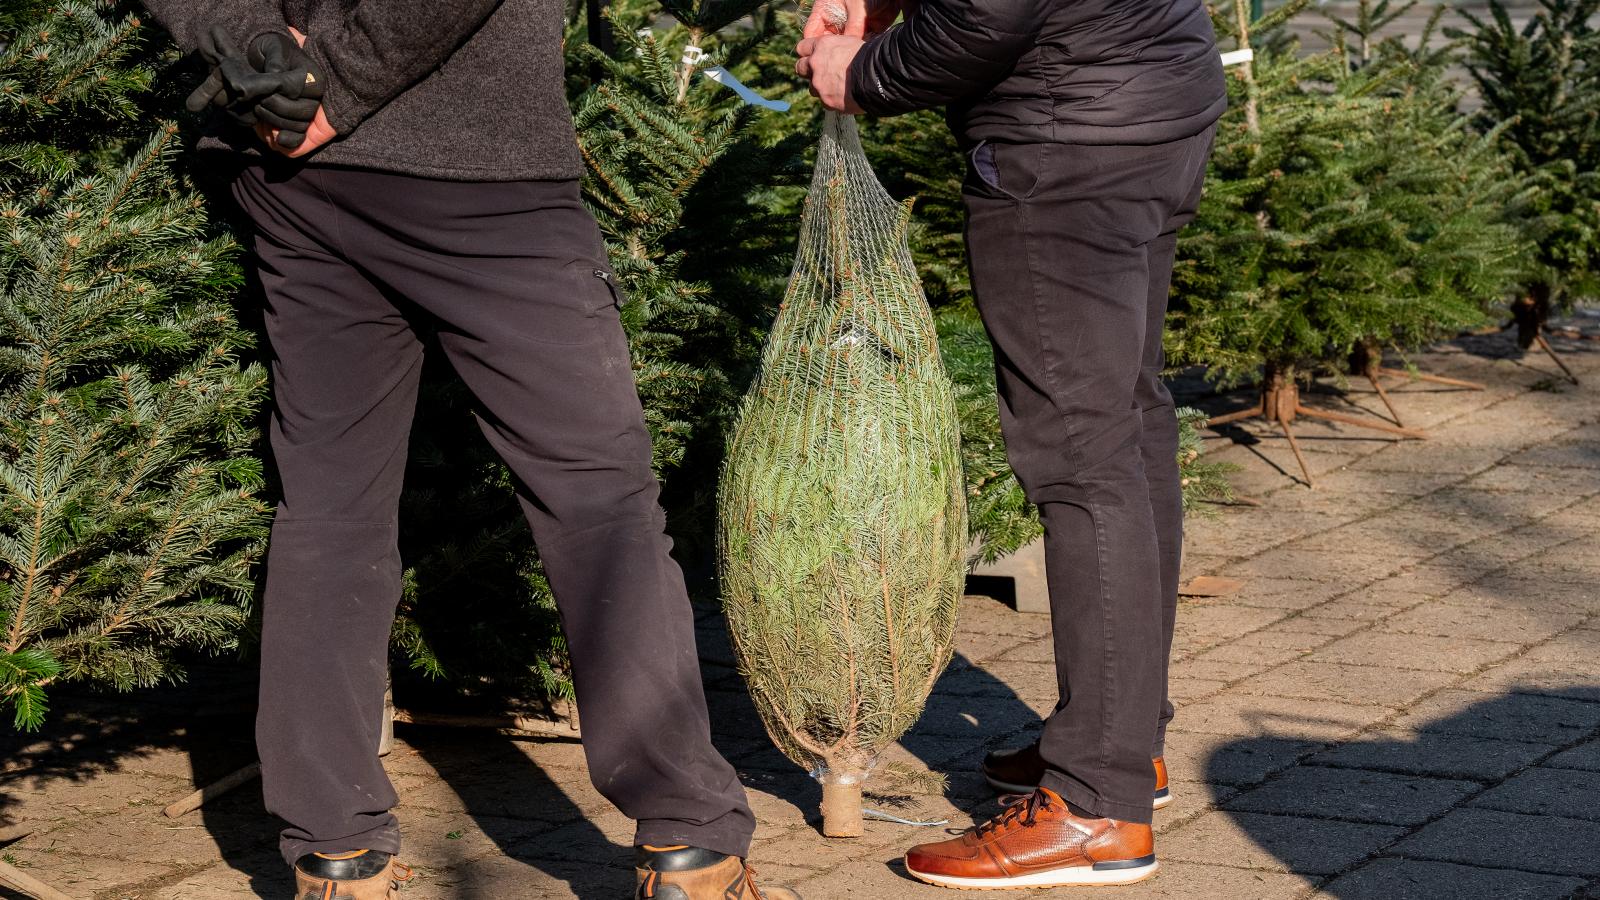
(750, 882)
(1023, 808)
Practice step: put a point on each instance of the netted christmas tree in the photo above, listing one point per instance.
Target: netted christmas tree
(843, 527)
(1540, 87)
(1344, 207)
(128, 515)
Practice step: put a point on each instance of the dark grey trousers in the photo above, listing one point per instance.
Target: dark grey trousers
(1072, 252)
(514, 278)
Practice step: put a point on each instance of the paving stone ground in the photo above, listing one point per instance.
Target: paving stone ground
(1402, 702)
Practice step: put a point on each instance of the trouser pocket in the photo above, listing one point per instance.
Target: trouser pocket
(1012, 171)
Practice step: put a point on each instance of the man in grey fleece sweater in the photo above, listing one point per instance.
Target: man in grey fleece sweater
(435, 187)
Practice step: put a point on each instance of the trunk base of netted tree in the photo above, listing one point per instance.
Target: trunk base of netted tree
(841, 809)
(1530, 314)
(1280, 405)
(1368, 363)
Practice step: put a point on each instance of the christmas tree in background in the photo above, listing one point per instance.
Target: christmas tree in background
(1345, 207)
(128, 516)
(1359, 38)
(1540, 86)
(1473, 183)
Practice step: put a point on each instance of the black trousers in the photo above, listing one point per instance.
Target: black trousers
(1072, 251)
(514, 278)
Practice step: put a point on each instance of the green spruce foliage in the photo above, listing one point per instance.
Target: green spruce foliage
(1540, 86)
(128, 515)
(916, 156)
(1484, 199)
(1346, 205)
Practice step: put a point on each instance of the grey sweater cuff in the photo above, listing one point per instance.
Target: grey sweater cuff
(342, 107)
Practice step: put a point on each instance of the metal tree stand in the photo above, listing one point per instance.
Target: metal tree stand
(1528, 315)
(1280, 404)
(1369, 364)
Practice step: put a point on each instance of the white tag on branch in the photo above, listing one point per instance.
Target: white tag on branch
(693, 56)
(1238, 57)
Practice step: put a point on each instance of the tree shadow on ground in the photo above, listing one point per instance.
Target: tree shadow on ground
(190, 735)
(486, 783)
(534, 819)
(1495, 799)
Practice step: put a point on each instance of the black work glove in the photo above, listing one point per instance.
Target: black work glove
(273, 83)
(292, 107)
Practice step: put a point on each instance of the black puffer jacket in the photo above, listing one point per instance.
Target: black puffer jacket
(1067, 71)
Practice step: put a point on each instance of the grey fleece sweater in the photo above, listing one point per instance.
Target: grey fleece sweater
(466, 90)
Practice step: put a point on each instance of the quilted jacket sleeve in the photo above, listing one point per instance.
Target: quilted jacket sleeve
(947, 50)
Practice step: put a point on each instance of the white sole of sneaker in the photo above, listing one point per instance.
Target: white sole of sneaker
(1162, 800)
(1072, 876)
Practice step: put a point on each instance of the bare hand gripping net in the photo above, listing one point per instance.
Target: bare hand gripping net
(843, 522)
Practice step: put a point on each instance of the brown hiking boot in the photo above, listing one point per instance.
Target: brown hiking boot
(356, 875)
(1038, 842)
(690, 873)
(1019, 771)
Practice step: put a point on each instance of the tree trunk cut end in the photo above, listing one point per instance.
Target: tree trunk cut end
(841, 810)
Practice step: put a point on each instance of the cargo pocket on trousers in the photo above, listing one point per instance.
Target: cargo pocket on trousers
(580, 307)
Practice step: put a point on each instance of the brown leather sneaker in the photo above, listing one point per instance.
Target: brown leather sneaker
(356, 875)
(1037, 842)
(1163, 797)
(690, 873)
(1019, 771)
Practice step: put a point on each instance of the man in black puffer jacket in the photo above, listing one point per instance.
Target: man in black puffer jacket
(430, 198)
(1087, 124)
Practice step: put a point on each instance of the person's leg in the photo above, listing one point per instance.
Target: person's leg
(1160, 435)
(344, 377)
(1159, 447)
(516, 275)
(1058, 239)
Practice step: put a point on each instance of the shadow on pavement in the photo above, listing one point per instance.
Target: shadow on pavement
(1496, 799)
(93, 736)
(532, 821)
(968, 709)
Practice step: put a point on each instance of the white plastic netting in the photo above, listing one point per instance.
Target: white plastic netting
(843, 523)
